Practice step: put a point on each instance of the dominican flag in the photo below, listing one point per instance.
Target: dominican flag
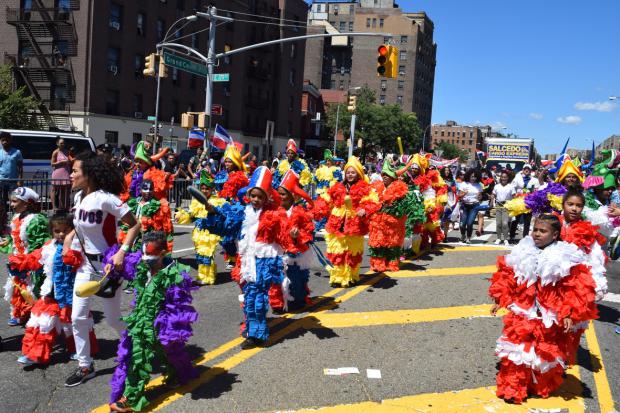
(481, 154)
(195, 139)
(221, 139)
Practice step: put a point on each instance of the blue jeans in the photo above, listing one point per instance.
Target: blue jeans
(469, 212)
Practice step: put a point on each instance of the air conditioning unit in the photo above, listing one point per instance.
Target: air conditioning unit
(115, 25)
(113, 69)
(137, 115)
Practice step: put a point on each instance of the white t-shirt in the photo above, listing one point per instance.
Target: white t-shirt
(95, 219)
(503, 193)
(472, 192)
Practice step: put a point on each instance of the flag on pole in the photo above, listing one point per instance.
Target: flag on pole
(221, 139)
(195, 138)
(563, 156)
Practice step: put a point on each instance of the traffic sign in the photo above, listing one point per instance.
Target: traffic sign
(151, 118)
(216, 109)
(221, 77)
(185, 64)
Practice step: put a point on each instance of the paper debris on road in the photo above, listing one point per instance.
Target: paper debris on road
(331, 372)
(373, 373)
(341, 371)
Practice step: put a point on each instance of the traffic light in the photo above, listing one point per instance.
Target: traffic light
(387, 61)
(202, 120)
(352, 103)
(149, 65)
(187, 120)
(163, 69)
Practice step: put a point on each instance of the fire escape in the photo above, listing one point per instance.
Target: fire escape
(47, 41)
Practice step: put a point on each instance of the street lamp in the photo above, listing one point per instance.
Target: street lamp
(191, 18)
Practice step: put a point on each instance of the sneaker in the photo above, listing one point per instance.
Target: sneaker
(506, 243)
(498, 241)
(468, 241)
(13, 322)
(128, 290)
(73, 357)
(121, 405)
(26, 361)
(229, 266)
(251, 342)
(80, 375)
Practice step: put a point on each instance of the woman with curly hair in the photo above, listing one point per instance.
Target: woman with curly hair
(98, 208)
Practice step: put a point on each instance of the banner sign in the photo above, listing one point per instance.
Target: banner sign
(505, 151)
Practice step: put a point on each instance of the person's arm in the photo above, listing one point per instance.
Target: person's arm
(134, 229)
(20, 165)
(54, 157)
(190, 166)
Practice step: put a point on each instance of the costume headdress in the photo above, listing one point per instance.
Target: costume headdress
(355, 163)
(327, 155)
(234, 155)
(568, 167)
(291, 146)
(25, 194)
(290, 182)
(206, 179)
(261, 178)
(142, 154)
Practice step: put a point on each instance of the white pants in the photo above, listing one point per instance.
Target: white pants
(83, 322)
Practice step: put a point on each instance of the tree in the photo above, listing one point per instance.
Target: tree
(451, 151)
(377, 125)
(15, 107)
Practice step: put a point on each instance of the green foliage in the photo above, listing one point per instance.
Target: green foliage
(377, 125)
(451, 151)
(15, 107)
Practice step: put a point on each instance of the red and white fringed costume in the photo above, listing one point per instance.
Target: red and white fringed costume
(345, 230)
(541, 288)
(51, 313)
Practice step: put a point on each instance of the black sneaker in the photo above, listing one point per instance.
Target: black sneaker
(251, 342)
(80, 375)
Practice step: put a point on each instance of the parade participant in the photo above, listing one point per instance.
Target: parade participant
(598, 207)
(569, 175)
(547, 289)
(144, 169)
(51, 314)
(158, 327)
(259, 228)
(399, 208)
(29, 231)
(470, 193)
(151, 213)
(293, 293)
(327, 174)
(348, 206)
(97, 210)
(503, 192)
(294, 162)
(228, 182)
(204, 242)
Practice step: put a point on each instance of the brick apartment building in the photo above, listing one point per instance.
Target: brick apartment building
(84, 60)
(465, 137)
(613, 142)
(312, 129)
(345, 62)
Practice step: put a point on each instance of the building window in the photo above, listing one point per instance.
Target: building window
(295, 27)
(458, 133)
(138, 65)
(383, 84)
(401, 84)
(341, 86)
(137, 137)
(368, 22)
(195, 42)
(351, 25)
(291, 103)
(382, 99)
(402, 56)
(342, 26)
(336, 10)
(401, 70)
(381, 23)
(111, 137)
(374, 22)
(403, 39)
(111, 102)
(116, 16)
(351, 9)
(399, 99)
(175, 76)
(136, 105)
(141, 23)
(113, 60)
(293, 50)
(291, 77)
(441, 133)
(333, 84)
(226, 90)
(386, 39)
(289, 129)
(160, 30)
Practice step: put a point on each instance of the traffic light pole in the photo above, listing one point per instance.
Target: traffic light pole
(352, 135)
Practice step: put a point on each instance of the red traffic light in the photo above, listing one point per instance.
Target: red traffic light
(383, 50)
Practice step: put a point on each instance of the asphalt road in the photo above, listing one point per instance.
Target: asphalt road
(426, 329)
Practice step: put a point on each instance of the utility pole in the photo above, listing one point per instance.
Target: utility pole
(352, 137)
(336, 132)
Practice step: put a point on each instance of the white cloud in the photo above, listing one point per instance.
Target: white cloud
(570, 120)
(597, 106)
(537, 116)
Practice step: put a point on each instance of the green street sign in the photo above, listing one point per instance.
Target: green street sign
(151, 118)
(221, 77)
(185, 64)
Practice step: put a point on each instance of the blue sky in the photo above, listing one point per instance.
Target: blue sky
(542, 68)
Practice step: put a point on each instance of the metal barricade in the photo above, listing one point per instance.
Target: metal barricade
(178, 196)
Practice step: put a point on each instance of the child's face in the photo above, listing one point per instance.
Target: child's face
(257, 198)
(60, 231)
(206, 191)
(572, 208)
(286, 198)
(503, 179)
(153, 254)
(146, 195)
(351, 175)
(229, 165)
(18, 205)
(543, 234)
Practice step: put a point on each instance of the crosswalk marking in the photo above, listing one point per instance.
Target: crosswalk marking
(446, 272)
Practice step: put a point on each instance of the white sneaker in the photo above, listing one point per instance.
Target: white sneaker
(498, 241)
(506, 243)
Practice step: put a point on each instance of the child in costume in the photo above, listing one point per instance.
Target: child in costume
(435, 194)
(348, 205)
(548, 288)
(228, 182)
(387, 227)
(144, 169)
(259, 229)
(294, 293)
(29, 231)
(51, 314)
(293, 162)
(158, 327)
(327, 174)
(204, 242)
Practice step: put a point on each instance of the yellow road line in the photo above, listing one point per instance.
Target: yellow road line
(375, 318)
(451, 271)
(478, 400)
(603, 391)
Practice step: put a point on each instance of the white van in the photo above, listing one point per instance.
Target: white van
(37, 147)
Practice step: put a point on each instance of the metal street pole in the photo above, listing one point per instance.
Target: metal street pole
(336, 132)
(352, 135)
(155, 125)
